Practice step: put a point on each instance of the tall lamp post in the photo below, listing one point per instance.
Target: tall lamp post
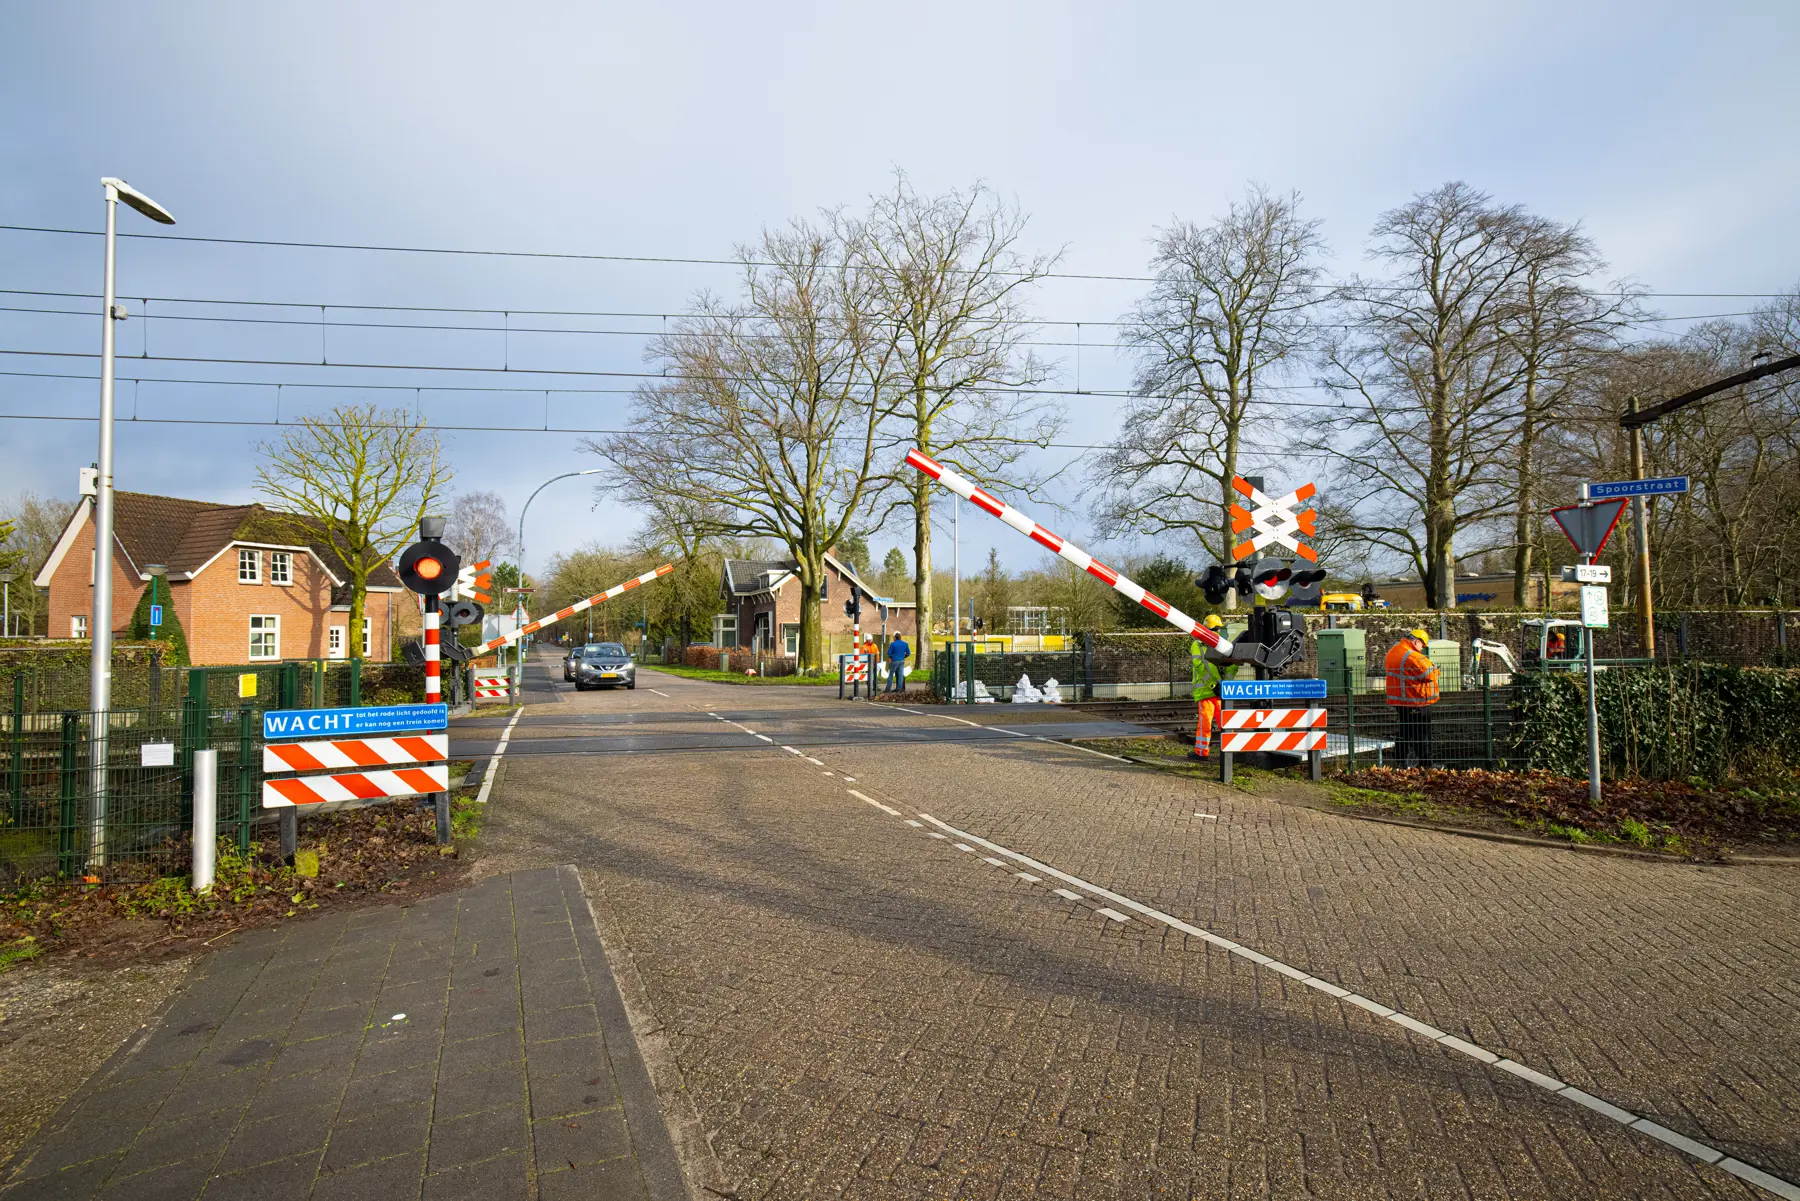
(100, 621)
(567, 475)
(156, 571)
(6, 579)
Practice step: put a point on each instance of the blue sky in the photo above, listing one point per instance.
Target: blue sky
(682, 130)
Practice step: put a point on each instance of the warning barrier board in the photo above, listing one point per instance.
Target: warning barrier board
(356, 786)
(355, 752)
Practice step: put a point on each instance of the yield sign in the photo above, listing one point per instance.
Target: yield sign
(1589, 526)
(1274, 520)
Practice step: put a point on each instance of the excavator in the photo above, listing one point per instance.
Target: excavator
(1551, 644)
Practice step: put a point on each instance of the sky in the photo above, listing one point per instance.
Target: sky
(681, 131)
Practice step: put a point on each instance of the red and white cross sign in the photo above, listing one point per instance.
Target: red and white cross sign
(1274, 520)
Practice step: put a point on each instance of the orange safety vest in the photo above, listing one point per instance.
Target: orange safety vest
(1412, 678)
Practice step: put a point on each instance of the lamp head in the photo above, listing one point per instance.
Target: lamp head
(157, 569)
(139, 201)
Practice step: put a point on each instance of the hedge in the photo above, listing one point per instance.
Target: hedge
(1705, 720)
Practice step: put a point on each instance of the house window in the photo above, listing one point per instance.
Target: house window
(334, 647)
(367, 653)
(78, 626)
(281, 567)
(790, 638)
(725, 629)
(265, 636)
(249, 567)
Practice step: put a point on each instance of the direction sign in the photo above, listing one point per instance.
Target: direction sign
(1589, 526)
(363, 719)
(1271, 690)
(1587, 573)
(155, 615)
(1593, 607)
(1668, 485)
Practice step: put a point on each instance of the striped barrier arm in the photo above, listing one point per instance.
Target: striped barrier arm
(355, 752)
(1074, 554)
(356, 786)
(577, 607)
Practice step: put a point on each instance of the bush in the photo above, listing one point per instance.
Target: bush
(1704, 720)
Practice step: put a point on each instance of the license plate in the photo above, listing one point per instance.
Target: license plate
(609, 675)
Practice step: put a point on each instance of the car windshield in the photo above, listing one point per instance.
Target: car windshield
(606, 650)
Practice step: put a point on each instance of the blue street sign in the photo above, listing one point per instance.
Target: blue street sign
(1668, 485)
(155, 615)
(365, 719)
(1271, 690)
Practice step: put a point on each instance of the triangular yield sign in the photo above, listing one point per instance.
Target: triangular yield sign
(1589, 526)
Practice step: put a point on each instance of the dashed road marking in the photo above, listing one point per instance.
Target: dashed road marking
(963, 846)
(1631, 1121)
(810, 759)
(661, 693)
(765, 738)
(1114, 914)
(994, 861)
(887, 809)
(1211, 817)
(1027, 876)
(917, 825)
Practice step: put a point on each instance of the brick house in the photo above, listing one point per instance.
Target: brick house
(244, 590)
(762, 607)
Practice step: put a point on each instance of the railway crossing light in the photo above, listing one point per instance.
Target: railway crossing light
(428, 567)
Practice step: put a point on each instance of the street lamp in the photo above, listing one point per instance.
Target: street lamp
(517, 612)
(6, 579)
(156, 572)
(100, 621)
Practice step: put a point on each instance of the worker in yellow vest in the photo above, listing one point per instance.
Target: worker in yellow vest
(1206, 693)
(1412, 688)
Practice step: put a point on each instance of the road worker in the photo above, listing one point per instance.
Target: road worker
(1206, 692)
(1412, 688)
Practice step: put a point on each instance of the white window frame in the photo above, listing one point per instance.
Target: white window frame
(281, 567)
(257, 632)
(334, 642)
(78, 626)
(790, 638)
(366, 627)
(249, 566)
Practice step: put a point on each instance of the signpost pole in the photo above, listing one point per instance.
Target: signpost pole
(1593, 712)
(1640, 528)
(440, 801)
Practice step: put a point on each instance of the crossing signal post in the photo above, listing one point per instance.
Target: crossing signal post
(430, 568)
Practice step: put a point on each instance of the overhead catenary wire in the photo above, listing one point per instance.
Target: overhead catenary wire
(681, 260)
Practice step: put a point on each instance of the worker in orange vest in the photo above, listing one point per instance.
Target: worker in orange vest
(1412, 688)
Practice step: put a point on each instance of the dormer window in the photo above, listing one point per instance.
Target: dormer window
(249, 567)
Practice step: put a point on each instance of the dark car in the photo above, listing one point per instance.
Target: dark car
(571, 660)
(604, 665)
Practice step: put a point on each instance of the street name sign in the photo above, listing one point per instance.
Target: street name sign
(1587, 573)
(1668, 485)
(1589, 526)
(1271, 690)
(365, 719)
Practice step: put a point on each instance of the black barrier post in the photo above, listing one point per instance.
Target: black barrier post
(1350, 714)
(246, 776)
(68, 859)
(1487, 711)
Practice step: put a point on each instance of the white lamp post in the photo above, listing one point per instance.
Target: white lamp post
(100, 620)
(519, 610)
(6, 579)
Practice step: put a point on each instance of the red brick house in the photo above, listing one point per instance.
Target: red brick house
(762, 607)
(244, 590)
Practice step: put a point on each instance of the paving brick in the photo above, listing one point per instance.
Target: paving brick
(475, 1136)
(390, 1132)
(577, 1139)
(499, 1179)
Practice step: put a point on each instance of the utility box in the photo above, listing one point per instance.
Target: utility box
(1343, 660)
(1446, 655)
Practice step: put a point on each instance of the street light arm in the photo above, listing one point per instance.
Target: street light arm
(527, 506)
(1645, 417)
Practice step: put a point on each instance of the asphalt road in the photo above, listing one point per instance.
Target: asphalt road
(931, 954)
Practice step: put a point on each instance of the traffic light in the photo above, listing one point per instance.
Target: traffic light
(428, 567)
(1304, 586)
(463, 613)
(853, 606)
(1215, 584)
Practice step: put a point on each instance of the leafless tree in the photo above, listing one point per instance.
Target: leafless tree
(356, 479)
(1229, 311)
(948, 284)
(478, 528)
(35, 522)
(765, 424)
(1423, 445)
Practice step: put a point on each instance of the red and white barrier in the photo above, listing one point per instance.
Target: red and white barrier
(856, 669)
(1271, 730)
(355, 752)
(356, 786)
(434, 684)
(577, 607)
(492, 686)
(1074, 554)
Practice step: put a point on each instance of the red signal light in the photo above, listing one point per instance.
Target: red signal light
(428, 568)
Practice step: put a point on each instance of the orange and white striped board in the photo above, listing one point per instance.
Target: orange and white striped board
(404, 749)
(492, 686)
(1271, 729)
(856, 669)
(356, 786)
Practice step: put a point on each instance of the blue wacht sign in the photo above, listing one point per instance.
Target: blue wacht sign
(366, 719)
(1668, 485)
(1271, 690)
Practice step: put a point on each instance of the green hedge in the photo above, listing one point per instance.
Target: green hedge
(1702, 720)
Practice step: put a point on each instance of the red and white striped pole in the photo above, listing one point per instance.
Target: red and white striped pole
(434, 691)
(578, 607)
(1065, 550)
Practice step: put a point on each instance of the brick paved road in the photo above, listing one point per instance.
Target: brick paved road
(858, 1009)
(468, 1047)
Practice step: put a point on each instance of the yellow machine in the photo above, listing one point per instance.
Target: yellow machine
(1341, 602)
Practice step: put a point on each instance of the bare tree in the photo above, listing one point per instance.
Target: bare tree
(1229, 310)
(357, 479)
(765, 424)
(478, 528)
(1423, 444)
(949, 286)
(36, 523)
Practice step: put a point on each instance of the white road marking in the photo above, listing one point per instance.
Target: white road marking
(810, 759)
(661, 693)
(1551, 1084)
(1114, 914)
(487, 777)
(1027, 876)
(914, 712)
(994, 861)
(1085, 750)
(852, 779)
(790, 750)
(933, 834)
(826, 773)
(1211, 817)
(963, 846)
(765, 738)
(887, 809)
(915, 824)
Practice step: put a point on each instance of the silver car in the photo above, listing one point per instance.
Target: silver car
(605, 665)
